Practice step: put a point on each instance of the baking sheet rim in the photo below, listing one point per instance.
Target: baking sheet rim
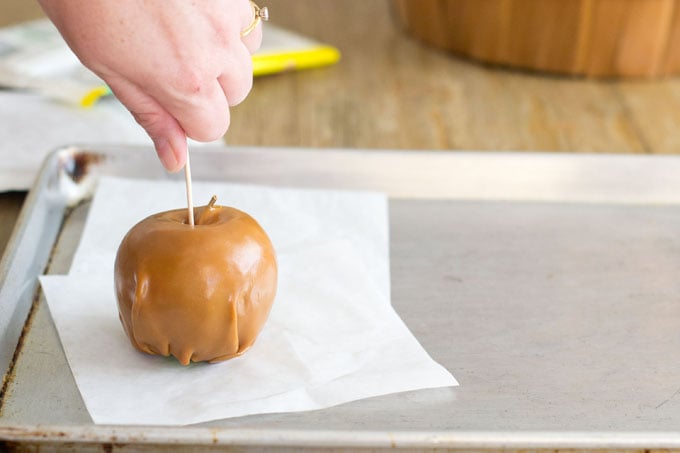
(300, 438)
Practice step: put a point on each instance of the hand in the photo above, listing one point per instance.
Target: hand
(177, 65)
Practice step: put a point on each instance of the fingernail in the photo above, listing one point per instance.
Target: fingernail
(170, 162)
(166, 155)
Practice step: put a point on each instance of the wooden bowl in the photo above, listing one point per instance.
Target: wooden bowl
(595, 38)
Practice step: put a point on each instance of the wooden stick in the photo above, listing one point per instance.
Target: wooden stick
(190, 196)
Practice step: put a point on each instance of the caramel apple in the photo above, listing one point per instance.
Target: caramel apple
(199, 293)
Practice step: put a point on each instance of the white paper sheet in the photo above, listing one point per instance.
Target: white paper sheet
(31, 126)
(332, 336)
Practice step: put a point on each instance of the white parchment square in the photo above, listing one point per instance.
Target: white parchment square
(332, 336)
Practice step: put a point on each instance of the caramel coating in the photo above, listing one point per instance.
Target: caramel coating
(198, 293)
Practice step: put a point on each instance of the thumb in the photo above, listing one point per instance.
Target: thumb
(167, 135)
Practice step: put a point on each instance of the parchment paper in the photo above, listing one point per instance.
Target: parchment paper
(31, 126)
(332, 336)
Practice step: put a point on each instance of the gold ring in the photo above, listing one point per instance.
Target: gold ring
(258, 15)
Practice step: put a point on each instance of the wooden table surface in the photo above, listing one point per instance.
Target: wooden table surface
(389, 91)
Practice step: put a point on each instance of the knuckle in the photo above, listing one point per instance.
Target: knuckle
(189, 82)
(151, 121)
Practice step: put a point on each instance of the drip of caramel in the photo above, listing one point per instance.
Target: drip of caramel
(198, 293)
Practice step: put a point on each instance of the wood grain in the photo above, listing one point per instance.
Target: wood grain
(599, 38)
(390, 91)
(672, 57)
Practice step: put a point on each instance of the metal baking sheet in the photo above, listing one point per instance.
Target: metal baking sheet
(546, 283)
